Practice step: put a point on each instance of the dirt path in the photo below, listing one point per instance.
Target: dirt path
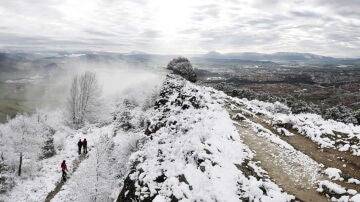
(293, 171)
(329, 157)
(59, 185)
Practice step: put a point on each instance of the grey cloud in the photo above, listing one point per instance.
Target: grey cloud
(346, 8)
(40, 8)
(7, 40)
(151, 33)
(93, 32)
(237, 39)
(319, 26)
(211, 10)
(306, 14)
(206, 11)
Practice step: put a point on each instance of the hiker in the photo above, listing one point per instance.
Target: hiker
(64, 169)
(79, 146)
(84, 143)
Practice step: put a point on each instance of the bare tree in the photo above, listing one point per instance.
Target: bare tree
(74, 101)
(23, 130)
(83, 95)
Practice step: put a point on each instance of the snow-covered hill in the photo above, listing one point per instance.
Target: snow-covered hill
(194, 153)
(189, 143)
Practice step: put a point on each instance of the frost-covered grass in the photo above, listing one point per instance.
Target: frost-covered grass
(195, 153)
(326, 133)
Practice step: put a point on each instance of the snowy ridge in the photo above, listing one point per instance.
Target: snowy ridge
(195, 152)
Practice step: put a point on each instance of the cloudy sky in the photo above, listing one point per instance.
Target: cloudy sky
(327, 27)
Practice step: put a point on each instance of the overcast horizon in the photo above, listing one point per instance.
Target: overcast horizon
(323, 27)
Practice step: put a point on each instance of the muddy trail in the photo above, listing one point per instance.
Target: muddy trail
(297, 168)
(59, 185)
(329, 157)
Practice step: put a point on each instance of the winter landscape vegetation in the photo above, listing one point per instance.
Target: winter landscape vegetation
(273, 115)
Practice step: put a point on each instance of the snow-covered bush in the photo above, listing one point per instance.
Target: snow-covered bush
(299, 106)
(101, 189)
(129, 115)
(266, 107)
(281, 108)
(340, 113)
(6, 176)
(182, 67)
(357, 115)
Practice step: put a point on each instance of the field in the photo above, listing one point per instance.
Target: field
(328, 84)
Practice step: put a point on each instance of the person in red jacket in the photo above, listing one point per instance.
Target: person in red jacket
(64, 169)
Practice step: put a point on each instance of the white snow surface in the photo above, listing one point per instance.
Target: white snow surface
(193, 152)
(333, 173)
(337, 192)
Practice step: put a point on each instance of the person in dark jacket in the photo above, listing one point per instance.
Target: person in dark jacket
(79, 146)
(64, 169)
(84, 143)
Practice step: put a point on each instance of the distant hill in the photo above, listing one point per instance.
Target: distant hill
(9, 60)
(274, 57)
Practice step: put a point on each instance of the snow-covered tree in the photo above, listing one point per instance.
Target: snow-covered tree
(23, 140)
(27, 138)
(183, 67)
(48, 149)
(84, 96)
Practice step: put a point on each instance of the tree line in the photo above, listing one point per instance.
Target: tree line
(338, 112)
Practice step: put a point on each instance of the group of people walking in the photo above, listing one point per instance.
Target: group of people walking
(81, 144)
